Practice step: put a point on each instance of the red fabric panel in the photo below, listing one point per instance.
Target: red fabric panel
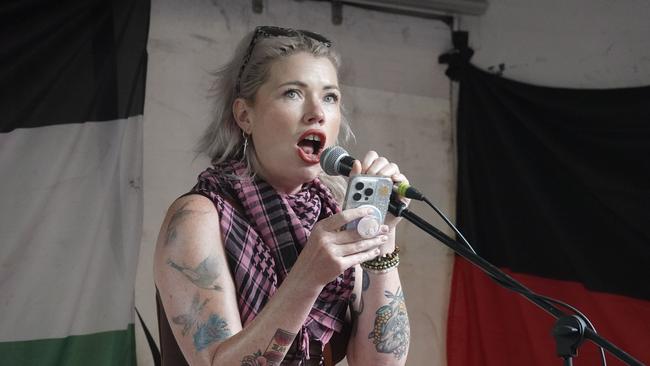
(489, 325)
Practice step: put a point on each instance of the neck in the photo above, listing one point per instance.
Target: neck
(284, 189)
(282, 186)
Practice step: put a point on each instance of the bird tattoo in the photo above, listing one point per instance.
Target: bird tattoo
(203, 275)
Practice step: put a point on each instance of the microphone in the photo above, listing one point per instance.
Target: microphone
(336, 161)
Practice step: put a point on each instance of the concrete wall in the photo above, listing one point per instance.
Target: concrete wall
(573, 44)
(398, 96)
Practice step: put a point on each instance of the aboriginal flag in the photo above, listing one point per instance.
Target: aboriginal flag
(553, 188)
(72, 78)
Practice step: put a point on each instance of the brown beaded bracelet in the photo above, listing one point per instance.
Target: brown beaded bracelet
(383, 263)
(386, 267)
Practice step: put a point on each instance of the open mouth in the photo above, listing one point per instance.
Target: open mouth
(311, 145)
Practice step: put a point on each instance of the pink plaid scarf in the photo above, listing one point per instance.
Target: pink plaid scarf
(263, 242)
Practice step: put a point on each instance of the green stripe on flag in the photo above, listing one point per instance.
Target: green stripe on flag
(114, 348)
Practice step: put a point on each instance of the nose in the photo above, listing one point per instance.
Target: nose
(314, 113)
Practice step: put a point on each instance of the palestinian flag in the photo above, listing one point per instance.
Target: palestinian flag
(553, 188)
(72, 77)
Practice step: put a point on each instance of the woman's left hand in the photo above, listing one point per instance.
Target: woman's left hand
(373, 164)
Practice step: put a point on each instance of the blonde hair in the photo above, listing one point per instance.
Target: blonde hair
(223, 139)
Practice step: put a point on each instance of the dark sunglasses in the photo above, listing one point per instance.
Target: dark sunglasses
(268, 32)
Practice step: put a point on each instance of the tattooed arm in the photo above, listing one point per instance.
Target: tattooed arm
(380, 317)
(380, 333)
(198, 294)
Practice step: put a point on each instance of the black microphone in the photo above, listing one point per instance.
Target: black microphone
(336, 161)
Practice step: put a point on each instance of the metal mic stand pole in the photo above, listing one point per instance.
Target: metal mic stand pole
(569, 331)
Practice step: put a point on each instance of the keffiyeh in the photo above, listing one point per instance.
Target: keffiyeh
(264, 240)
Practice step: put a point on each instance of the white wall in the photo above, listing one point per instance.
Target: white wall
(565, 43)
(397, 95)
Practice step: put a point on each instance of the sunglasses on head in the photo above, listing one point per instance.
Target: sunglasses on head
(268, 32)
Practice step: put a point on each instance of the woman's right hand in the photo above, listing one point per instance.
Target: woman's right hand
(330, 250)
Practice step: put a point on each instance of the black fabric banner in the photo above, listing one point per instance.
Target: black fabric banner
(71, 61)
(556, 182)
(553, 185)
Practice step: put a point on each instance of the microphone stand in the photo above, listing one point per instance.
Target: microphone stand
(569, 331)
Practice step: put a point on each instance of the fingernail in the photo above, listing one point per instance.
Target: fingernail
(370, 211)
(384, 228)
(383, 238)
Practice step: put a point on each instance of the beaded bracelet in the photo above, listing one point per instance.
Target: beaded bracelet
(383, 263)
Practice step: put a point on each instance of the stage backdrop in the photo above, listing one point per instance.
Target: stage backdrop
(554, 188)
(72, 76)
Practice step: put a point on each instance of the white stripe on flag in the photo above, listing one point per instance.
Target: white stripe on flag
(70, 226)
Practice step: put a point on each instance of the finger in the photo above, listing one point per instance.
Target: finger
(357, 258)
(333, 223)
(368, 159)
(389, 170)
(356, 168)
(361, 245)
(346, 236)
(377, 166)
(399, 178)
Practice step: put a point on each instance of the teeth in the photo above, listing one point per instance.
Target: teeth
(312, 137)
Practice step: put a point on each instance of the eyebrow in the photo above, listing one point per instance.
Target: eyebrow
(304, 85)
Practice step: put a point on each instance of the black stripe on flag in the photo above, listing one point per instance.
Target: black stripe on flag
(556, 182)
(72, 61)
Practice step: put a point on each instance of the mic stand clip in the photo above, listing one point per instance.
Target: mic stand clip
(569, 333)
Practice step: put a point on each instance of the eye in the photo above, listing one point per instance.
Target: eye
(331, 98)
(292, 94)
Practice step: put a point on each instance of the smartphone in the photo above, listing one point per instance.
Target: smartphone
(373, 192)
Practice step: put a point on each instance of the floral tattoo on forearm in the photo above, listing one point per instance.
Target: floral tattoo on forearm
(274, 353)
(391, 331)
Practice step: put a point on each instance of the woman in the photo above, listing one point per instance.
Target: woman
(251, 265)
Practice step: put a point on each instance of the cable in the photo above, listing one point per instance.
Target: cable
(446, 220)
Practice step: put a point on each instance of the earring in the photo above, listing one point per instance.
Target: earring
(245, 143)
